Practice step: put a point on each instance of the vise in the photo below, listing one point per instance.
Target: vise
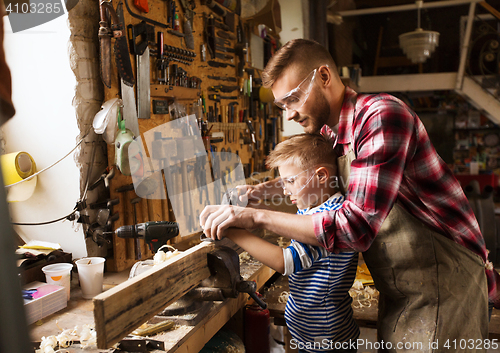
(225, 280)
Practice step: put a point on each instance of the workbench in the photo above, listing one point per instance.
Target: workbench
(188, 339)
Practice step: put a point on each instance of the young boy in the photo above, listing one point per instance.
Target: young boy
(318, 311)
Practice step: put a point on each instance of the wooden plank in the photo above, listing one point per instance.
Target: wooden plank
(125, 307)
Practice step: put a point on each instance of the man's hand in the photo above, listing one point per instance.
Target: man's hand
(216, 219)
(250, 194)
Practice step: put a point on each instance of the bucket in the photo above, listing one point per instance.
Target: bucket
(90, 272)
(60, 275)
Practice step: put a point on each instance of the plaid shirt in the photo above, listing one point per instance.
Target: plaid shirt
(395, 160)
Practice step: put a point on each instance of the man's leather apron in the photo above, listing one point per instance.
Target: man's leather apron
(431, 288)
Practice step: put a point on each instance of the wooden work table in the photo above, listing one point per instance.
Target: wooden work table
(184, 338)
(190, 339)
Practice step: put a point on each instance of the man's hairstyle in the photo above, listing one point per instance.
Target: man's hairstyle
(303, 54)
(304, 151)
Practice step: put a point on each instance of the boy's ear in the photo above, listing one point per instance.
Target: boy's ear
(323, 174)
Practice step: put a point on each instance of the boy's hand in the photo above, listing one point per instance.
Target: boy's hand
(216, 219)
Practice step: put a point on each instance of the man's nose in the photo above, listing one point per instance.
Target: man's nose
(291, 114)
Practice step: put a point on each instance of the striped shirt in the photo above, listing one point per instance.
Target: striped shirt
(318, 311)
(395, 160)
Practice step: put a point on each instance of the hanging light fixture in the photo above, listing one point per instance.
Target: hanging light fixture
(419, 44)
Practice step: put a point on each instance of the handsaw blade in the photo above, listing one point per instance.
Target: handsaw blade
(143, 85)
(105, 58)
(122, 54)
(129, 108)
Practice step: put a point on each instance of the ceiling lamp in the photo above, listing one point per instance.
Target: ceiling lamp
(419, 44)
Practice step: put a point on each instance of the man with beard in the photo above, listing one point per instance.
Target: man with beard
(404, 209)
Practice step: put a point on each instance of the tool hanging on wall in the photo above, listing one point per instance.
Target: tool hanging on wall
(218, 97)
(142, 5)
(162, 64)
(223, 88)
(188, 22)
(127, 89)
(218, 64)
(148, 20)
(105, 35)
(210, 34)
(226, 35)
(122, 56)
(154, 234)
(220, 78)
(127, 161)
(141, 50)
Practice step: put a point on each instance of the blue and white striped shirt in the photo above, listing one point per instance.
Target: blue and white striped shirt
(318, 311)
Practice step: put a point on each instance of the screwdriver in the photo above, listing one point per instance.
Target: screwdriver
(218, 97)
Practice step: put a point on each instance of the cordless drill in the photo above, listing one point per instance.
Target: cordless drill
(155, 234)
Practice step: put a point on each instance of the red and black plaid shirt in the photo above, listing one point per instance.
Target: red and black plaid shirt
(395, 160)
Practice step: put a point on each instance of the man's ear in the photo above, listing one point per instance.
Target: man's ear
(325, 75)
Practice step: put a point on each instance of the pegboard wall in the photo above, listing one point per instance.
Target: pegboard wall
(194, 59)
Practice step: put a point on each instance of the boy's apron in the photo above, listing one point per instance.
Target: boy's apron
(431, 288)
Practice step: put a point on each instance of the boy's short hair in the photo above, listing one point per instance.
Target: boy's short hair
(304, 151)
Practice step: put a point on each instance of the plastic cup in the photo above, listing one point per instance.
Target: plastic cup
(90, 272)
(59, 274)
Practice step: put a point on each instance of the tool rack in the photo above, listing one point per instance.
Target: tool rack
(232, 124)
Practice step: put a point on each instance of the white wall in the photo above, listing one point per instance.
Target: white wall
(45, 126)
(292, 23)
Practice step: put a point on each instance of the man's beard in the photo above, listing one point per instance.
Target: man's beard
(319, 115)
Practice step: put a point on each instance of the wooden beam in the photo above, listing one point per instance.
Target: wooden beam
(490, 8)
(120, 310)
(408, 83)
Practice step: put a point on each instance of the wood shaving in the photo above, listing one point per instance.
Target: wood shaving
(88, 336)
(283, 297)
(357, 285)
(65, 338)
(363, 297)
(48, 344)
(244, 256)
(281, 242)
(162, 256)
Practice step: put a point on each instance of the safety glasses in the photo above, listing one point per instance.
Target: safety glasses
(289, 182)
(296, 98)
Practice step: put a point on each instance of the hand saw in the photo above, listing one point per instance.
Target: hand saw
(122, 54)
